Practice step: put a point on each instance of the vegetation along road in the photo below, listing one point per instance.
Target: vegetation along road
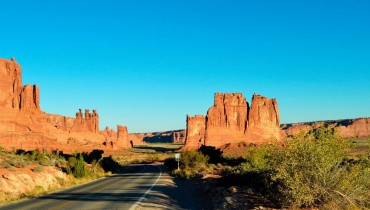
(142, 187)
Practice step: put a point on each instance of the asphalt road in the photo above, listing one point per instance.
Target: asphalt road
(120, 191)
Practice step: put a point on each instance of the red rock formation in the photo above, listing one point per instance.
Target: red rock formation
(178, 136)
(122, 137)
(356, 128)
(226, 120)
(89, 123)
(348, 128)
(195, 132)
(24, 126)
(263, 120)
(30, 98)
(230, 120)
(13, 93)
(137, 138)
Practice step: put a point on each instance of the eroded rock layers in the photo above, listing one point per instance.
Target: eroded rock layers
(231, 120)
(24, 126)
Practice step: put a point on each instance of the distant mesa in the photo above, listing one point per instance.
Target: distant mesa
(347, 128)
(176, 136)
(23, 125)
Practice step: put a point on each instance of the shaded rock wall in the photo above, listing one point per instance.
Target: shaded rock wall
(177, 136)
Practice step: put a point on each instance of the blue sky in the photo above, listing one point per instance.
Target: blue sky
(146, 64)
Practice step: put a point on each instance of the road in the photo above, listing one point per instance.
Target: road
(142, 187)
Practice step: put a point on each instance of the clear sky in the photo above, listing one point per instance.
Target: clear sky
(146, 64)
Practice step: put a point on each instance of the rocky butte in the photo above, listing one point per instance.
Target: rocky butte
(232, 120)
(23, 125)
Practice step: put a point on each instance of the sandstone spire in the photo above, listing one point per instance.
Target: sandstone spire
(195, 132)
(263, 120)
(226, 120)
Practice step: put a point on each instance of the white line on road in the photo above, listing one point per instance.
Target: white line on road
(137, 203)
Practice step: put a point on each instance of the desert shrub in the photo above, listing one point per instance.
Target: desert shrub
(38, 169)
(191, 163)
(215, 155)
(76, 166)
(80, 169)
(311, 169)
(38, 190)
(256, 171)
(305, 162)
(154, 158)
(36, 155)
(5, 164)
(193, 159)
(17, 162)
(185, 173)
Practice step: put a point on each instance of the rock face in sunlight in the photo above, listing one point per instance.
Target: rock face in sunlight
(355, 128)
(195, 132)
(231, 120)
(122, 137)
(13, 93)
(226, 119)
(263, 120)
(24, 126)
(89, 123)
(348, 128)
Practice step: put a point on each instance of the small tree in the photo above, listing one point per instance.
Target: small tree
(80, 169)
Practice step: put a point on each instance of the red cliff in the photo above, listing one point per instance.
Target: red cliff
(195, 132)
(230, 120)
(263, 120)
(122, 137)
(13, 93)
(24, 126)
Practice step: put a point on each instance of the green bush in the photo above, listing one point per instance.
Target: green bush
(80, 169)
(311, 169)
(193, 159)
(191, 163)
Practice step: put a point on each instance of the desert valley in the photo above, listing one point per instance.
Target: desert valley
(232, 126)
(230, 120)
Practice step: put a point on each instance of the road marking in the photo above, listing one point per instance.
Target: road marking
(68, 203)
(137, 203)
